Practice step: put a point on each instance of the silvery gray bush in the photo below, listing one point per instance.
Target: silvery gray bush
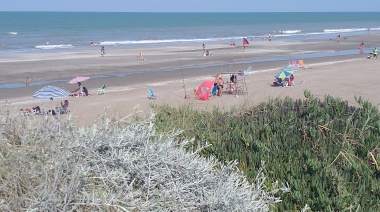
(51, 165)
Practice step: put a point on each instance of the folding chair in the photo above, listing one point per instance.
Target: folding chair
(102, 90)
(301, 64)
(151, 93)
(248, 71)
(75, 92)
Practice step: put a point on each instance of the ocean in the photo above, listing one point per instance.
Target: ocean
(34, 32)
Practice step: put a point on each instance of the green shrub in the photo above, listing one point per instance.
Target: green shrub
(327, 150)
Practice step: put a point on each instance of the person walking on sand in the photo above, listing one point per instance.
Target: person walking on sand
(204, 47)
(338, 37)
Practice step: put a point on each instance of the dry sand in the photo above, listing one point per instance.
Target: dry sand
(127, 78)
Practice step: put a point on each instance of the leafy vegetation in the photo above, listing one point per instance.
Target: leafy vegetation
(327, 150)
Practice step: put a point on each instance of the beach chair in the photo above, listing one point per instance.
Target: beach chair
(151, 93)
(102, 90)
(77, 92)
(248, 71)
(301, 64)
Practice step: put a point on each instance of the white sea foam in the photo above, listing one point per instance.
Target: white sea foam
(12, 33)
(126, 42)
(66, 46)
(344, 30)
(291, 31)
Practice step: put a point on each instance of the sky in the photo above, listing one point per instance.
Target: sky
(192, 5)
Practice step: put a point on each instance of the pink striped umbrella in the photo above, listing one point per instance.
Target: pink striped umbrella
(78, 79)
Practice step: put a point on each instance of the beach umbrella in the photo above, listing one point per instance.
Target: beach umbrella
(284, 73)
(50, 92)
(78, 80)
(204, 89)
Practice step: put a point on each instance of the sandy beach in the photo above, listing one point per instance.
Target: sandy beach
(171, 71)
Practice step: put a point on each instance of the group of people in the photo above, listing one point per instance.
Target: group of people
(205, 52)
(289, 81)
(37, 110)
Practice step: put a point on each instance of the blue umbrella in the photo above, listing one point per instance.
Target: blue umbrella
(50, 92)
(284, 73)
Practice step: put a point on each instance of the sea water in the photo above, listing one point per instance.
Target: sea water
(33, 32)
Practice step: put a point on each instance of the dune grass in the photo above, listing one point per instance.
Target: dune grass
(327, 150)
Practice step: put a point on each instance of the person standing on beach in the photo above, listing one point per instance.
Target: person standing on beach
(203, 47)
(102, 51)
(338, 37)
(361, 47)
(27, 81)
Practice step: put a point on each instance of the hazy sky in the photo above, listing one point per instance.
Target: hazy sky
(193, 5)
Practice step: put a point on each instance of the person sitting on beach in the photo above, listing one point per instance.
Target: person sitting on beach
(65, 105)
(37, 110)
(219, 82)
(375, 53)
(63, 109)
(370, 56)
(85, 91)
(140, 57)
